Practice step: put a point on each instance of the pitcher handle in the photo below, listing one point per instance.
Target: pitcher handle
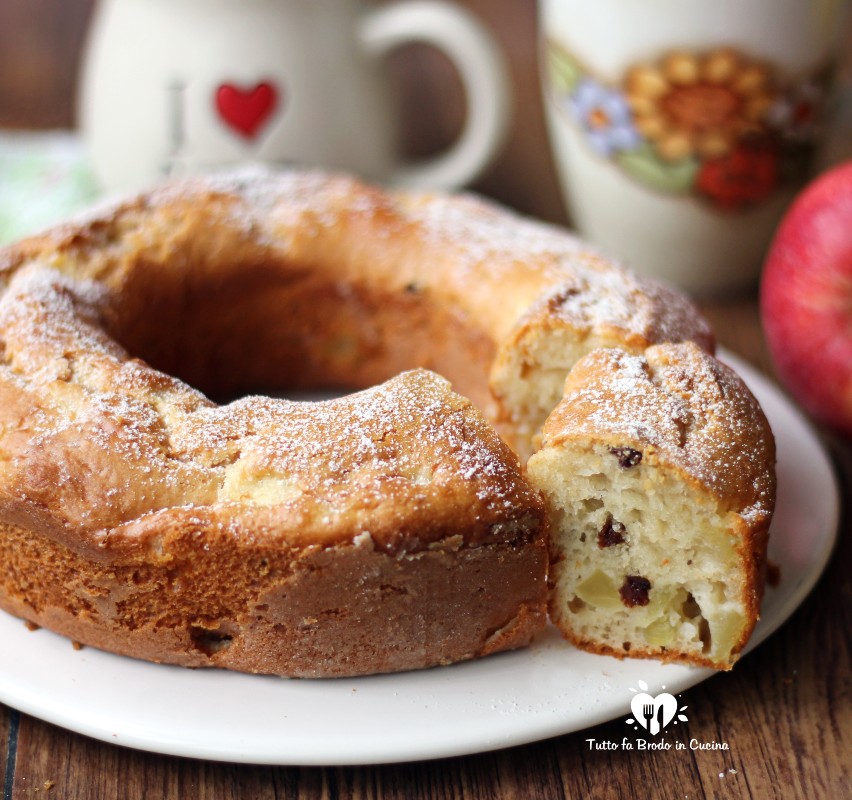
(481, 68)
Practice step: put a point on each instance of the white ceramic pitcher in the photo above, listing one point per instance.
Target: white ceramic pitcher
(177, 86)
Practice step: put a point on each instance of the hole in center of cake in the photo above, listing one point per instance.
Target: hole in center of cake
(267, 328)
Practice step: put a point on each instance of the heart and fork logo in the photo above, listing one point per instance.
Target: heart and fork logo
(654, 713)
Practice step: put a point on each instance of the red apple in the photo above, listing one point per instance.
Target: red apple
(806, 298)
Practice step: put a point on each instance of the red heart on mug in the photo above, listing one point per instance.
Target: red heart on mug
(246, 110)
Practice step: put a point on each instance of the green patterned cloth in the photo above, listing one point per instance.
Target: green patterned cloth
(44, 177)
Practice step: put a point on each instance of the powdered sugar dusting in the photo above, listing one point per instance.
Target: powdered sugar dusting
(690, 410)
(117, 440)
(494, 267)
(410, 432)
(483, 258)
(493, 246)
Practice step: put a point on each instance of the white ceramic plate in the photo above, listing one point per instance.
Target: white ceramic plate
(508, 699)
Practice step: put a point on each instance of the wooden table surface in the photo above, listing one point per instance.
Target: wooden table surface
(785, 710)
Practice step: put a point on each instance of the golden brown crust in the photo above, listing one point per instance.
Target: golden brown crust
(400, 496)
(678, 406)
(296, 280)
(225, 599)
(101, 441)
(352, 269)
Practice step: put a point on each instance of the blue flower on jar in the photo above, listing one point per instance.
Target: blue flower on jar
(605, 117)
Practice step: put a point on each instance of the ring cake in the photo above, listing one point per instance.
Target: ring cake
(388, 530)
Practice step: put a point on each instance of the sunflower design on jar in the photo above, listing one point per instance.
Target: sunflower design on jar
(693, 105)
(717, 125)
